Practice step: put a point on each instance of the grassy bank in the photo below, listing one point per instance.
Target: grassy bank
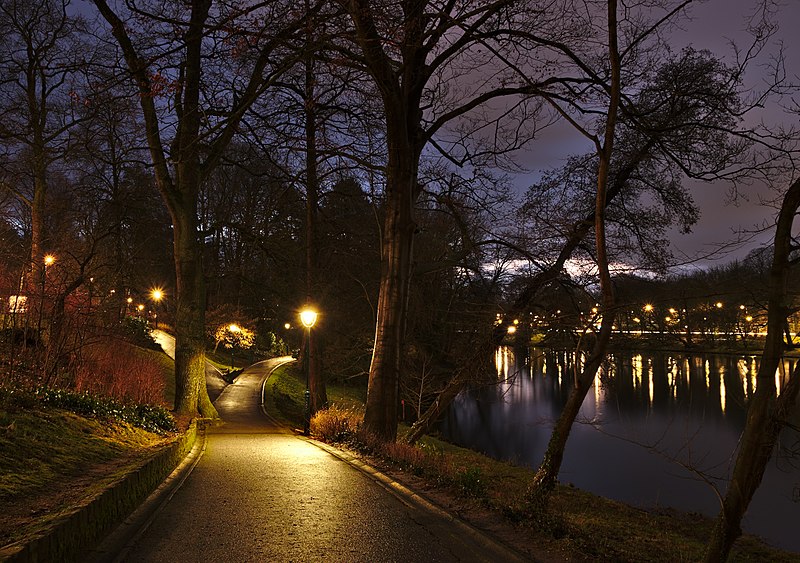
(58, 449)
(577, 525)
(52, 459)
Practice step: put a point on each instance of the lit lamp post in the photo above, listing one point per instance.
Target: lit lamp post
(48, 260)
(233, 328)
(308, 317)
(156, 294)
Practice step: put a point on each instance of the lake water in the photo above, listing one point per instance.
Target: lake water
(646, 428)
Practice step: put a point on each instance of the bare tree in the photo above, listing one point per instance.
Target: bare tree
(41, 99)
(198, 67)
(437, 66)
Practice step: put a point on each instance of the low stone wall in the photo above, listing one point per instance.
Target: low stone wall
(88, 525)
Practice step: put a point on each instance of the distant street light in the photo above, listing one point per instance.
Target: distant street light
(156, 294)
(48, 260)
(233, 328)
(308, 317)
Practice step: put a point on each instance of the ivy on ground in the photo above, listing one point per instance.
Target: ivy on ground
(153, 418)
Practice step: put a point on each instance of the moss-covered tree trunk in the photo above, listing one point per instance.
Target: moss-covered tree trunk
(191, 394)
(178, 178)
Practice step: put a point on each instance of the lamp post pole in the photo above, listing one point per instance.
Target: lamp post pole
(233, 328)
(49, 259)
(156, 294)
(308, 317)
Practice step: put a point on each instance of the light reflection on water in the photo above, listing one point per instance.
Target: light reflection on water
(648, 419)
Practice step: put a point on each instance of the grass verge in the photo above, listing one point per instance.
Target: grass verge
(59, 449)
(52, 460)
(576, 526)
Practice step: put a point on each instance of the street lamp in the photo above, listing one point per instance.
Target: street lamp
(48, 260)
(156, 294)
(233, 328)
(308, 317)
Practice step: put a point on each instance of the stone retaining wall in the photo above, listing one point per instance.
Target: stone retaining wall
(84, 528)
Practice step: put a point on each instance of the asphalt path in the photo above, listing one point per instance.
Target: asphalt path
(259, 492)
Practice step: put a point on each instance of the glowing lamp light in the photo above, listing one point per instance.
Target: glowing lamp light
(308, 317)
(512, 329)
(157, 294)
(233, 327)
(49, 259)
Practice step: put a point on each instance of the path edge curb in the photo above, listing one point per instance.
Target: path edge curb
(421, 501)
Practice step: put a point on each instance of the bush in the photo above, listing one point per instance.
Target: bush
(410, 458)
(117, 370)
(469, 482)
(427, 461)
(336, 424)
(154, 418)
(138, 332)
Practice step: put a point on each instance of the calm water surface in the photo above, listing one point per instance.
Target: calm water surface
(646, 428)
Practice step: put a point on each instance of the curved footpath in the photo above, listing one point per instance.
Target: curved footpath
(250, 490)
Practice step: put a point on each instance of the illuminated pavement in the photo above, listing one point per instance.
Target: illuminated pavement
(260, 493)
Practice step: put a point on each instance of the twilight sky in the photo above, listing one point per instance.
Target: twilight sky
(714, 24)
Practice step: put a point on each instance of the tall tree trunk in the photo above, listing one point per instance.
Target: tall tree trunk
(401, 91)
(547, 474)
(383, 392)
(181, 197)
(316, 383)
(766, 414)
(191, 394)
